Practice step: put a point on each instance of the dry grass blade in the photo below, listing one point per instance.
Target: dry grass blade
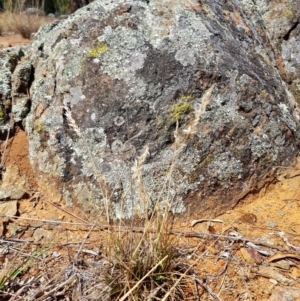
(53, 291)
(141, 280)
(208, 289)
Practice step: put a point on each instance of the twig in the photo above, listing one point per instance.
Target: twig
(46, 294)
(84, 241)
(285, 239)
(23, 241)
(195, 222)
(45, 220)
(225, 237)
(196, 288)
(65, 211)
(142, 229)
(208, 289)
(221, 273)
(18, 293)
(286, 167)
(142, 279)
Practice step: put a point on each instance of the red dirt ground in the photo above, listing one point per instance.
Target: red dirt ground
(10, 40)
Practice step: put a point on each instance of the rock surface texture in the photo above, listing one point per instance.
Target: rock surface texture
(129, 71)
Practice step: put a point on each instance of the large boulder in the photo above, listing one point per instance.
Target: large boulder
(131, 73)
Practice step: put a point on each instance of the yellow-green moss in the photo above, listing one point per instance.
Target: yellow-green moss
(288, 12)
(100, 48)
(38, 126)
(296, 92)
(2, 114)
(264, 95)
(159, 121)
(179, 110)
(186, 97)
(206, 161)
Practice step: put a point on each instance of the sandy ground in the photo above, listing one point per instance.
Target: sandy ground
(10, 40)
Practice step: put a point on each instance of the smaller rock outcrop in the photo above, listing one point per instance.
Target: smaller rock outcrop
(15, 81)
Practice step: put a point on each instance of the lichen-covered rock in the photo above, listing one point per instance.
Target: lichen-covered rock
(282, 21)
(129, 71)
(8, 61)
(21, 81)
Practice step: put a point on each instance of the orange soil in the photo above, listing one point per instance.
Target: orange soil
(10, 40)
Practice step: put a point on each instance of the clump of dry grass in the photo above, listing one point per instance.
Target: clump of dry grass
(15, 19)
(22, 23)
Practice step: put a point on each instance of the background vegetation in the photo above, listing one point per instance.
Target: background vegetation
(26, 16)
(48, 6)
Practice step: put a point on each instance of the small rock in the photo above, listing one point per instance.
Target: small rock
(273, 281)
(11, 193)
(248, 218)
(4, 195)
(250, 255)
(272, 273)
(42, 234)
(34, 11)
(56, 254)
(62, 17)
(284, 294)
(271, 224)
(295, 272)
(9, 208)
(17, 194)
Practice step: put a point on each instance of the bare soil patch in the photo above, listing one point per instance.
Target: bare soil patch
(11, 40)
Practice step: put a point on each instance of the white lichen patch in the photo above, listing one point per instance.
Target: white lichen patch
(123, 57)
(185, 56)
(283, 107)
(260, 145)
(287, 116)
(119, 120)
(76, 95)
(135, 61)
(116, 146)
(224, 167)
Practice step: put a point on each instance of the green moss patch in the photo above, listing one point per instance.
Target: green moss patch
(180, 110)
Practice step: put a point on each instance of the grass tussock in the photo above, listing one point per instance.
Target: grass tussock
(22, 23)
(144, 266)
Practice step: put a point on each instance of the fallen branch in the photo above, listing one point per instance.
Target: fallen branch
(208, 289)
